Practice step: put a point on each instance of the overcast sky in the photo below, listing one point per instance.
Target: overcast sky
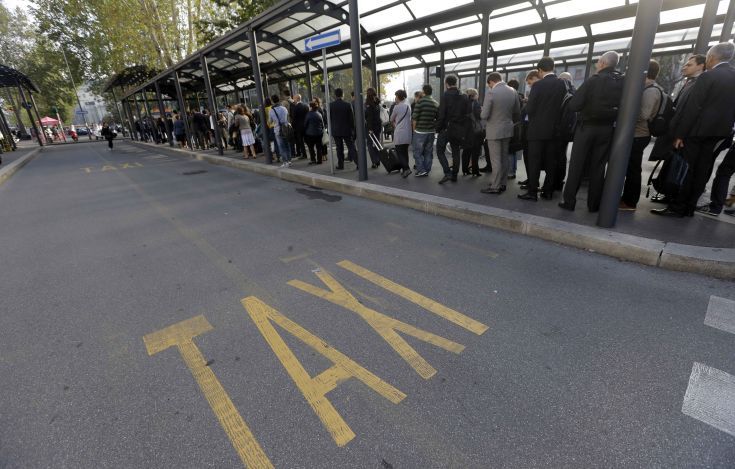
(11, 4)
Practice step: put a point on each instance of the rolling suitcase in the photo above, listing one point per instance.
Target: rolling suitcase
(388, 157)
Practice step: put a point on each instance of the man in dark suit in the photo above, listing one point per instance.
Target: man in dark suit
(706, 119)
(300, 110)
(343, 127)
(544, 113)
(451, 125)
(597, 102)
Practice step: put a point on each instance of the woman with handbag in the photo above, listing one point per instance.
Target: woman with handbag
(475, 137)
(402, 133)
(325, 138)
(313, 133)
(242, 120)
(373, 124)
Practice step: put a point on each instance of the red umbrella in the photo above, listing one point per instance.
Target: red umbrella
(49, 121)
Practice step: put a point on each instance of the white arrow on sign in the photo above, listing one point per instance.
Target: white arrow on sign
(321, 41)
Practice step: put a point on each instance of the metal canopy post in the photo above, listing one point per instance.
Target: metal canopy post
(212, 104)
(6, 131)
(25, 104)
(35, 109)
(149, 116)
(644, 34)
(131, 120)
(726, 34)
(484, 46)
(705, 27)
(374, 68)
(182, 109)
(117, 107)
(426, 74)
(140, 118)
(588, 62)
(442, 75)
(356, 46)
(309, 93)
(18, 115)
(162, 109)
(255, 64)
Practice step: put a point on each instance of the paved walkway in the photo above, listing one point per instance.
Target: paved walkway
(700, 230)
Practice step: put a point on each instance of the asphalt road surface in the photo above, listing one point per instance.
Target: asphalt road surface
(161, 312)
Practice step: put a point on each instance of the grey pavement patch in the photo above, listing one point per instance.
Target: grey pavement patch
(710, 398)
(193, 173)
(8, 171)
(318, 194)
(721, 314)
(716, 262)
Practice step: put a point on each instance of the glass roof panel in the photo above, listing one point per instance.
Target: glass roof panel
(372, 6)
(386, 18)
(722, 9)
(615, 44)
(387, 49)
(415, 43)
(682, 14)
(421, 8)
(514, 20)
(532, 56)
(569, 33)
(449, 24)
(510, 9)
(463, 32)
(238, 46)
(560, 52)
(626, 24)
(386, 66)
(282, 54)
(516, 42)
(282, 24)
(409, 62)
(580, 7)
(435, 57)
(465, 51)
(464, 66)
(540, 38)
(670, 36)
(406, 35)
(320, 23)
(297, 32)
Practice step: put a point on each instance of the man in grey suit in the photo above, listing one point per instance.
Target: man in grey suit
(499, 111)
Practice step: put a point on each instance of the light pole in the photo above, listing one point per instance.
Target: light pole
(81, 109)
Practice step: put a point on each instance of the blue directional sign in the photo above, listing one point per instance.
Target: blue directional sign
(322, 41)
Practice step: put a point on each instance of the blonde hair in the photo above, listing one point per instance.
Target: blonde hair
(472, 92)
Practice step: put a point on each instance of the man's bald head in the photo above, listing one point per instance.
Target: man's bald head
(608, 59)
(722, 52)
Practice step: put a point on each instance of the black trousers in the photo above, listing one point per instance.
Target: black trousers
(699, 153)
(542, 154)
(441, 148)
(402, 152)
(299, 142)
(314, 142)
(351, 150)
(632, 189)
(591, 144)
(561, 165)
(471, 157)
(722, 181)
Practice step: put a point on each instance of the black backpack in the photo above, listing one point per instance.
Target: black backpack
(604, 104)
(671, 177)
(659, 125)
(568, 120)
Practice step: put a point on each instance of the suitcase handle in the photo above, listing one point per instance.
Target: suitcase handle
(375, 141)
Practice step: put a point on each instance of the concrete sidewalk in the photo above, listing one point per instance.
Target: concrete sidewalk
(698, 244)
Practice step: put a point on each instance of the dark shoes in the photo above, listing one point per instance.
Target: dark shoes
(340, 167)
(707, 210)
(547, 195)
(486, 169)
(528, 196)
(373, 166)
(667, 212)
(445, 179)
(566, 206)
(405, 173)
(523, 183)
(490, 190)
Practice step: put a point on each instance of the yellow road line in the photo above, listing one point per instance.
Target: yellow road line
(298, 257)
(385, 326)
(315, 389)
(181, 335)
(427, 303)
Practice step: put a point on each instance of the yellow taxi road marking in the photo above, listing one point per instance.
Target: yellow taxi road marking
(111, 167)
(315, 389)
(385, 326)
(427, 303)
(181, 335)
(297, 257)
(479, 250)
